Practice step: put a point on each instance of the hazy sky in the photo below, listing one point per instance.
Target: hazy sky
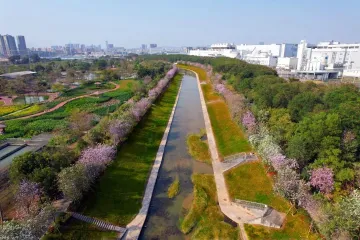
(130, 23)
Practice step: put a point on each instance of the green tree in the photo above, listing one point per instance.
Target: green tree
(302, 104)
(280, 125)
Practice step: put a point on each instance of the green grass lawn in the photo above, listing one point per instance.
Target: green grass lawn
(198, 148)
(228, 135)
(118, 194)
(205, 219)
(250, 182)
(74, 229)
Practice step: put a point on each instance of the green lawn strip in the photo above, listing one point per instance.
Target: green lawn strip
(250, 182)
(228, 135)
(76, 229)
(205, 219)
(174, 188)
(118, 194)
(198, 148)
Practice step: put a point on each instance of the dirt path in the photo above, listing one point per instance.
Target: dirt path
(117, 86)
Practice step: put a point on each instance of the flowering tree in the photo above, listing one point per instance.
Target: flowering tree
(140, 108)
(171, 73)
(73, 181)
(27, 198)
(279, 161)
(96, 158)
(31, 229)
(249, 121)
(220, 88)
(119, 129)
(322, 179)
(289, 185)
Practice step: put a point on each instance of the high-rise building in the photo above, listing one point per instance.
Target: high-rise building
(153, 45)
(143, 47)
(10, 45)
(21, 45)
(2, 47)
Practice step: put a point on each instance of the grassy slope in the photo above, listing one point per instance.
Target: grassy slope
(75, 229)
(117, 196)
(205, 219)
(249, 181)
(221, 121)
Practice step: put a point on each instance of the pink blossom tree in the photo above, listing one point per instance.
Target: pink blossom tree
(279, 161)
(96, 158)
(249, 121)
(119, 129)
(322, 179)
(140, 108)
(171, 73)
(27, 198)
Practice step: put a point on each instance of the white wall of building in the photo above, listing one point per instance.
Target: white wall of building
(288, 63)
(328, 56)
(276, 50)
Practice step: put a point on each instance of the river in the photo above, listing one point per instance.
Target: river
(164, 213)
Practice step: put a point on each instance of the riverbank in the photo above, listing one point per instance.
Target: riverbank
(253, 231)
(118, 195)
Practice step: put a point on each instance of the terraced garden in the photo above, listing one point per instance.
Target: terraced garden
(100, 105)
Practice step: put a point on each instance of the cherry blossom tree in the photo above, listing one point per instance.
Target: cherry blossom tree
(140, 108)
(322, 179)
(31, 229)
(119, 129)
(171, 73)
(249, 120)
(95, 159)
(289, 185)
(279, 161)
(27, 198)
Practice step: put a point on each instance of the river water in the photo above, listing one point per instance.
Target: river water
(164, 213)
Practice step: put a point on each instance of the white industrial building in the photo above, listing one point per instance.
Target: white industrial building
(328, 60)
(216, 50)
(275, 50)
(287, 63)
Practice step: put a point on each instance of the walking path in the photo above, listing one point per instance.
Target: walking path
(99, 223)
(135, 226)
(117, 86)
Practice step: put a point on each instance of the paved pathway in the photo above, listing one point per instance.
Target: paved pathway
(117, 86)
(235, 212)
(135, 226)
(99, 223)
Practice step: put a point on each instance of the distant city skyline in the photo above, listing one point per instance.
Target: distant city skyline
(191, 23)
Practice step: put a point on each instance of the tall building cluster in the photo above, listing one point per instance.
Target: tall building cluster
(9, 47)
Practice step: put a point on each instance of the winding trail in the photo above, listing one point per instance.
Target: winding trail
(117, 86)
